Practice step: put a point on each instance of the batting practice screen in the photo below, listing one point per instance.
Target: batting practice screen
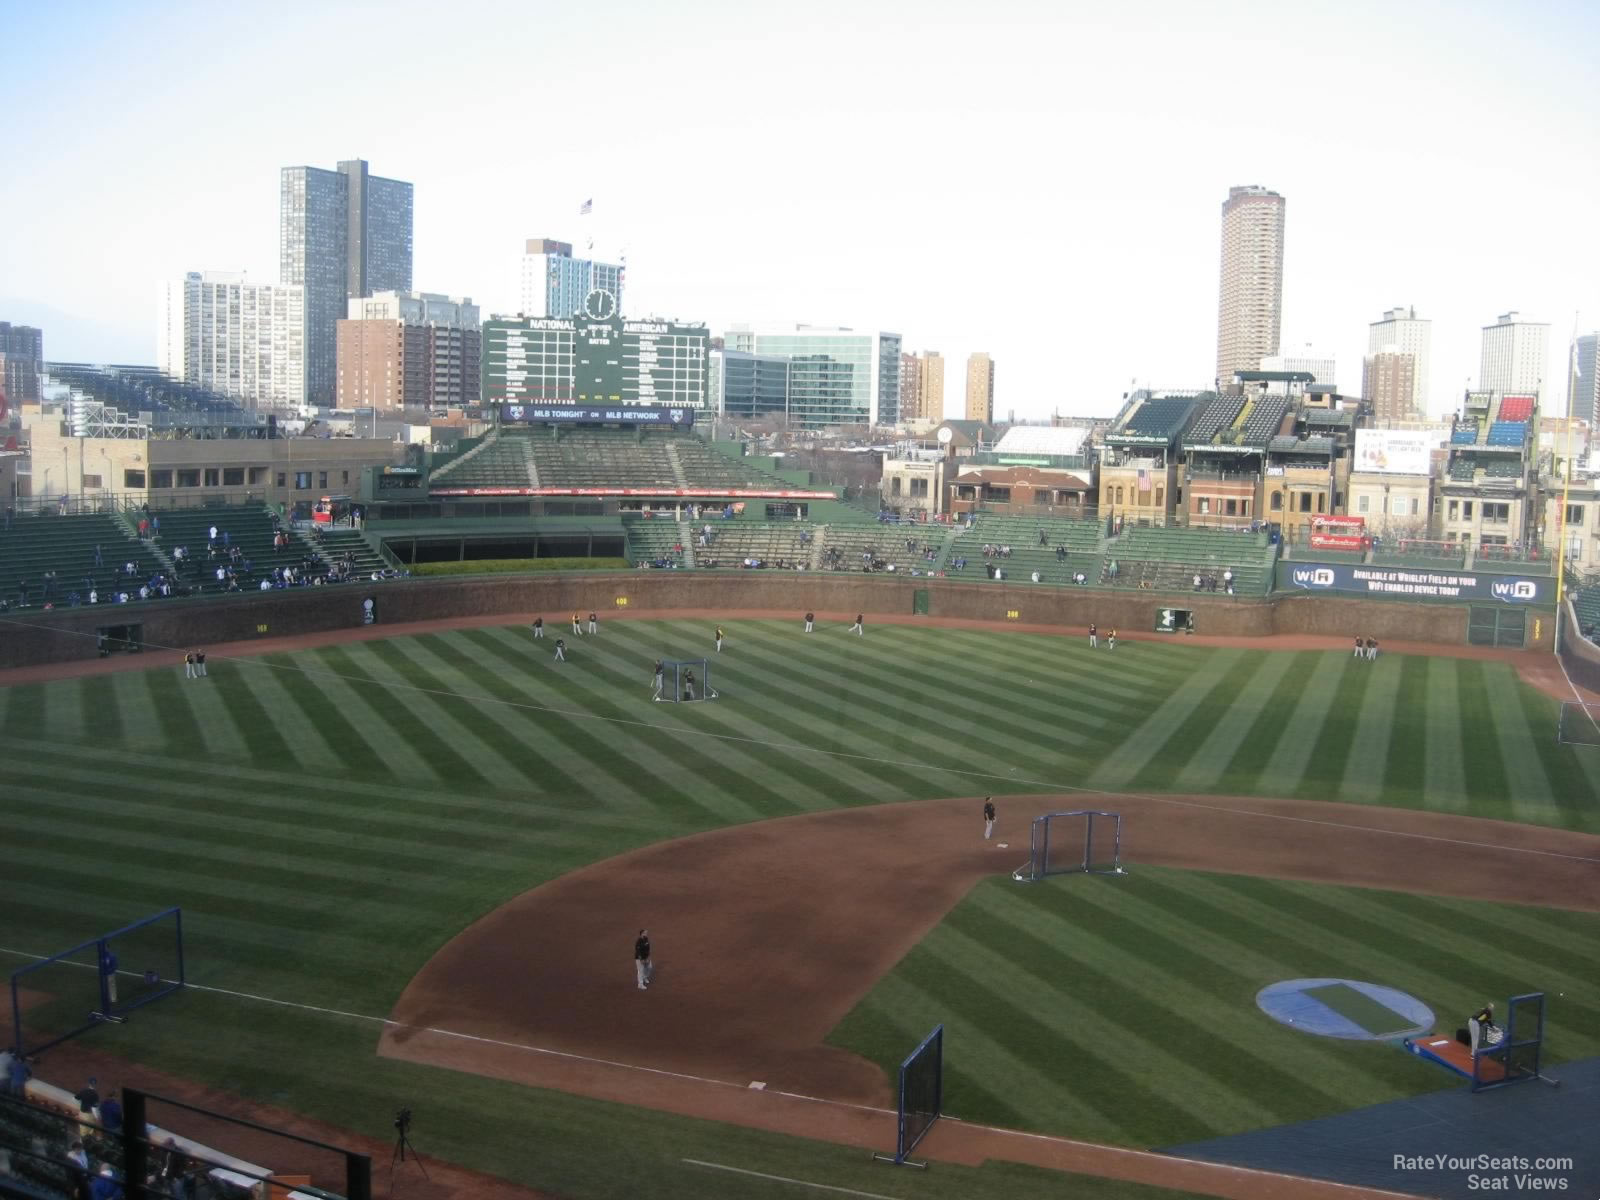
(921, 1092)
(102, 979)
(1070, 842)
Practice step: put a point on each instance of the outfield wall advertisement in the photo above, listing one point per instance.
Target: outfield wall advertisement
(1418, 583)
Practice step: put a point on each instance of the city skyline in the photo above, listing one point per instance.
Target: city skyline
(1130, 285)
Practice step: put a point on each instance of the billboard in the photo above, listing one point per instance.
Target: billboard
(1338, 541)
(637, 414)
(1339, 524)
(1393, 452)
(1423, 584)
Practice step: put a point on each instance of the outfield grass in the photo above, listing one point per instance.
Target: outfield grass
(329, 818)
(1123, 1008)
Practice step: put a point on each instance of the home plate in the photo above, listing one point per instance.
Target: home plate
(758, 1085)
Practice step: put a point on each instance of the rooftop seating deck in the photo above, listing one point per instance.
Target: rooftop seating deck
(1219, 413)
(1507, 433)
(1158, 416)
(1265, 420)
(1516, 408)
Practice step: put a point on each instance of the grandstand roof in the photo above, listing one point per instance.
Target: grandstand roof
(1042, 439)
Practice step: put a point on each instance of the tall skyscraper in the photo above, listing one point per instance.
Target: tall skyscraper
(1407, 333)
(554, 284)
(1514, 354)
(910, 387)
(1585, 399)
(1388, 383)
(926, 402)
(980, 388)
(21, 359)
(245, 340)
(341, 234)
(1250, 296)
(836, 376)
(409, 350)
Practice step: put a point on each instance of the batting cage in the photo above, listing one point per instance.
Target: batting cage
(921, 1096)
(1578, 724)
(102, 979)
(1065, 843)
(1515, 1057)
(686, 681)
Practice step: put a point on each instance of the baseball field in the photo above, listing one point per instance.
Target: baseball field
(451, 832)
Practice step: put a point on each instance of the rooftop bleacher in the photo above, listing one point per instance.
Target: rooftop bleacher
(1516, 408)
(1466, 433)
(1219, 414)
(1507, 433)
(1463, 469)
(1157, 416)
(1265, 420)
(133, 390)
(1503, 468)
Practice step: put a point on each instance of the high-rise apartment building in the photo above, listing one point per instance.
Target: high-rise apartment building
(1585, 381)
(1321, 366)
(910, 387)
(1514, 355)
(980, 388)
(21, 360)
(246, 340)
(341, 234)
(1250, 295)
(836, 376)
(1389, 385)
(408, 350)
(922, 386)
(1407, 333)
(554, 284)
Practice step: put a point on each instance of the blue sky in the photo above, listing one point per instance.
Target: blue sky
(1042, 181)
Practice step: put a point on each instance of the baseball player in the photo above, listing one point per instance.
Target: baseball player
(538, 627)
(1111, 642)
(811, 620)
(719, 639)
(561, 650)
(859, 628)
(661, 676)
(988, 817)
(688, 685)
(188, 665)
(594, 623)
(1094, 637)
(200, 661)
(1359, 648)
(641, 959)
(577, 626)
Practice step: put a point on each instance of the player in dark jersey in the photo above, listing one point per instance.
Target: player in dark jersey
(988, 817)
(641, 959)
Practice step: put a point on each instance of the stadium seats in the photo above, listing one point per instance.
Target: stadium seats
(1265, 420)
(1217, 415)
(1516, 408)
(1507, 433)
(1463, 468)
(1169, 559)
(45, 542)
(250, 527)
(772, 543)
(1466, 433)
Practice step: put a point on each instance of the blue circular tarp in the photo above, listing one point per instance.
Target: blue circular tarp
(1345, 1008)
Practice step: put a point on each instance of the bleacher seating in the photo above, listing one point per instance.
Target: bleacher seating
(1516, 408)
(1462, 469)
(703, 467)
(1507, 433)
(845, 547)
(1169, 559)
(334, 543)
(1265, 420)
(652, 540)
(1466, 433)
(1503, 468)
(1158, 416)
(1587, 603)
(772, 543)
(249, 526)
(35, 544)
(500, 460)
(1217, 415)
(135, 390)
(1079, 539)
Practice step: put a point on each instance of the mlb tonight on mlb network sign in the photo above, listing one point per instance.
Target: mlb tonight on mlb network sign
(1438, 585)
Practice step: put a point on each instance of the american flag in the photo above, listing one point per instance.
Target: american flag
(1144, 481)
(586, 208)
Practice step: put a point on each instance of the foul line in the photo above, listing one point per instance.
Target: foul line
(799, 748)
(821, 1187)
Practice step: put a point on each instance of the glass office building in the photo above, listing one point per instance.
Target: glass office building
(749, 386)
(341, 234)
(836, 376)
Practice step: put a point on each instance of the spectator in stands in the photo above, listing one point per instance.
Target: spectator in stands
(88, 1098)
(105, 1185)
(111, 1113)
(1197, 581)
(94, 596)
(79, 1158)
(97, 559)
(211, 536)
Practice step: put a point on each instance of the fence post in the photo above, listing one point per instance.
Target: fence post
(357, 1176)
(135, 1147)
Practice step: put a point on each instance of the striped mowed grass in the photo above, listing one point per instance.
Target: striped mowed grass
(329, 818)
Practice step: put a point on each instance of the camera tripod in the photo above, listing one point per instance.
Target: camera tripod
(402, 1144)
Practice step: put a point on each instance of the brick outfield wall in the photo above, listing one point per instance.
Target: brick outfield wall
(66, 635)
